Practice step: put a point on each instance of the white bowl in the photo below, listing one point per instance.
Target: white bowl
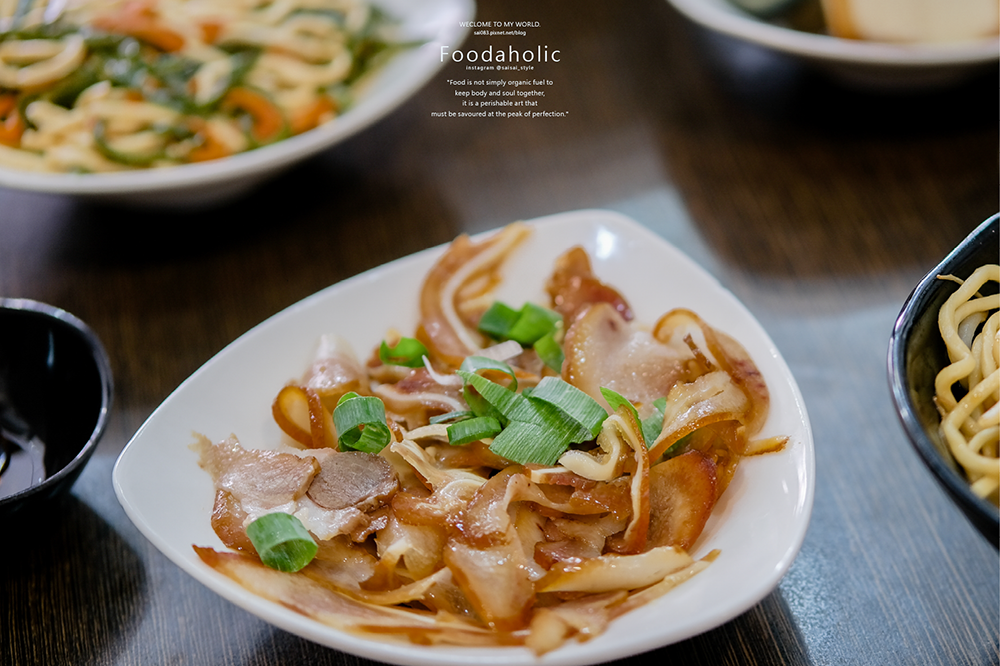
(434, 22)
(758, 525)
(862, 63)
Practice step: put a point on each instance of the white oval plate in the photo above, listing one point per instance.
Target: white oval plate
(865, 63)
(759, 523)
(433, 22)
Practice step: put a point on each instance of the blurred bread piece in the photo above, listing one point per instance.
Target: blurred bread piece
(913, 20)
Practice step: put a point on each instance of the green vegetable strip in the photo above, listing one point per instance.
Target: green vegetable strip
(516, 407)
(360, 423)
(479, 363)
(498, 320)
(472, 430)
(282, 541)
(550, 352)
(579, 406)
(130, 159)
(537, 431)
(480, 405)
(452, 416)
(533, 323)
(616, 400)
(653, 424)
(558, 422)
(528, 443)
(408, 352)
(500, 398)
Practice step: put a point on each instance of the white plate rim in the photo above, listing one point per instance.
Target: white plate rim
(796, 467)
(412, 68)
(733, 22)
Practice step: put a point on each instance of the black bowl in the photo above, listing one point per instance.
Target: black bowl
(56, 374)
(917, 353)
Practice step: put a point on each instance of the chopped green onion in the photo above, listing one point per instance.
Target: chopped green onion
(529, 443)
(537, 430)
(479, 404)
(360, 423)
(129, 159)
(533, 323)
(282, 541)
(575, 403)
(550, 351)
(617, 400)
(499, 397)
(452, 416)
(653, 424)
(498, 320)
(479, 363)
(473, 430)
(408, 352)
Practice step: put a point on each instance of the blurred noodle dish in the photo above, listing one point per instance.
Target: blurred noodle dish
(967, 391)
(515, 474)
(913, 21)
(90, 86)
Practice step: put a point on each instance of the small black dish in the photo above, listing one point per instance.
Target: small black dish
(917, 353)
(55, 375)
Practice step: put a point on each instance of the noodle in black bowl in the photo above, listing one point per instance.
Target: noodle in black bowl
(55, 394)
(917, 353)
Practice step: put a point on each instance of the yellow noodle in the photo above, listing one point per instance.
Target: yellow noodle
(971, 426)
(305, 59)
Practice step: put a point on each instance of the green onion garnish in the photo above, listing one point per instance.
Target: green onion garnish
(282, 541)
(498, 397)
(360, 423)
(616, 400)
(480, 405)
(533, 323)
(478, 364)
(527, 326)
(130, 159)
(529, 443)
(472, 430)
(653, 424)
(452, 416)
(550, 351)
(575, 403)
(538, 429)
(498, 320)
(408, 352)
(531, 326)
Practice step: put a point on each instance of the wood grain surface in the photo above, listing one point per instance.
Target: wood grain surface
(818, 205)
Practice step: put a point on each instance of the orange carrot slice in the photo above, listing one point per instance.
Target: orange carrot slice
(139, 20)
(11, 123)
(268, 120)
(210, 149)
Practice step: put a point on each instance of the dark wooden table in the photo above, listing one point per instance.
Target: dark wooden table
(820, 206)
